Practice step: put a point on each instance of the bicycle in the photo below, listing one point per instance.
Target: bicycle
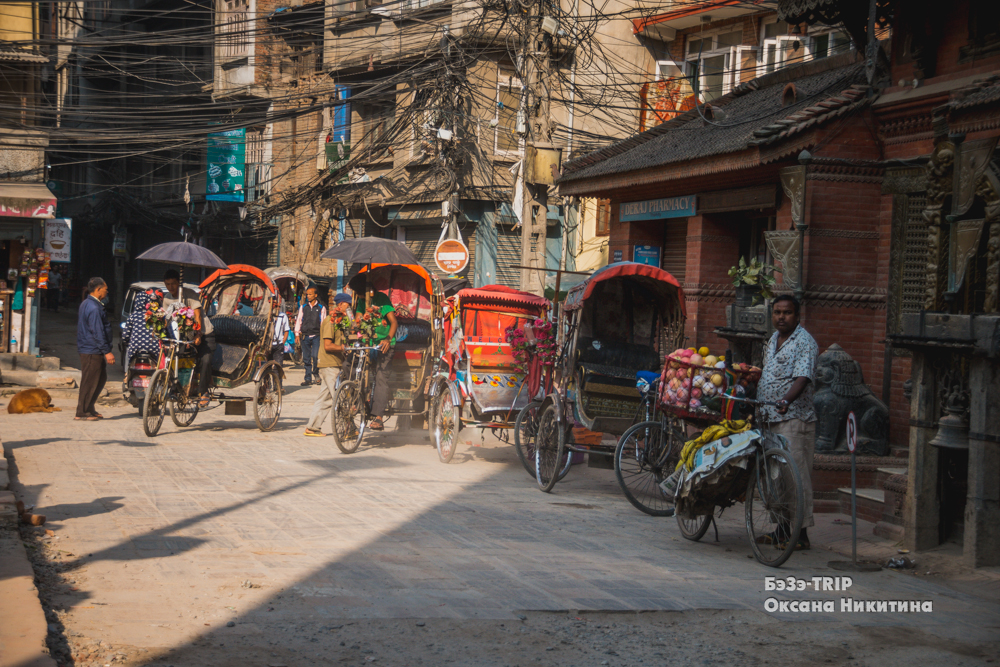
(353, 398)
(772, 495)
(168, 389)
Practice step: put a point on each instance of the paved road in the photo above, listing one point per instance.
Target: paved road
(164, 540)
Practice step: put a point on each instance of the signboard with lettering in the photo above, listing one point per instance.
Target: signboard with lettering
(227, 159)
(616, 256)
(656, 209)
(451, 256)
(58, 237)
(646, 254)
(118, 247)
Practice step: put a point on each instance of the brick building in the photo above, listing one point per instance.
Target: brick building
(823, 165)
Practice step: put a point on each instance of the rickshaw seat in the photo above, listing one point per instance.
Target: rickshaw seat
(419, 333)
(227, 359)
(238, 329)
(489, 352)
(618, 359)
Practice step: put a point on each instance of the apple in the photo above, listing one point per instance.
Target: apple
(697, 359)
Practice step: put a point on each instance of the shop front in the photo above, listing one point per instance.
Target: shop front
(24, 263)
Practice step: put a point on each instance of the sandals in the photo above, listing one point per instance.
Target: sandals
(800, 545)
(376, 424)
(204, 401)
(314, 433)
(88, 418)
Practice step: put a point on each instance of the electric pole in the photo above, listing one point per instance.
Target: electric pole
(537, 61)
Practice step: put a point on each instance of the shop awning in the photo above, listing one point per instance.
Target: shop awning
(27, 200)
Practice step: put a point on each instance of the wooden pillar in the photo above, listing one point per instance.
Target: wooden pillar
(921, 516)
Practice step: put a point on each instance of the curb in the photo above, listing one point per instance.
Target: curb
(23, 627)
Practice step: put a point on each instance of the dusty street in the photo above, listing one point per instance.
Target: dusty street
(221, 545)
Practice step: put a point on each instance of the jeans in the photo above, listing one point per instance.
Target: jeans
(380, 401)
(93, 376)
(278, 354)
(324, 402)
(310, 355)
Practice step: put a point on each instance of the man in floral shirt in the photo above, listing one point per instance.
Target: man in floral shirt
(789, 369)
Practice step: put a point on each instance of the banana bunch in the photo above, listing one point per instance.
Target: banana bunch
(710, 434)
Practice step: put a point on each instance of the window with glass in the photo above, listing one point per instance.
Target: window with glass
(712, 63)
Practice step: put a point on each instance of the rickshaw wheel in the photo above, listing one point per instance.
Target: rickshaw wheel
(773, 500)
(446, 425)
(549, 447)
(348, 417)
(153, 404)
(641, 463)
(694, 529)
(183, 411)
(267, 399)
(525, 432)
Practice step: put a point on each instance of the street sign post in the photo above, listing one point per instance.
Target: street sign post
(451, 256)
(852, 445)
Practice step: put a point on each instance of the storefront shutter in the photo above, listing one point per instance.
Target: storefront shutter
(674, 260)
(508, 255)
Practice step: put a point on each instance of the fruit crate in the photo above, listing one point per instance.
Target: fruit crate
(695, 391)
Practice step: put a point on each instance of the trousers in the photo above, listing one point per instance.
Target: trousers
(324, 402)
(801, 438)
(93, 377)
(380, 400)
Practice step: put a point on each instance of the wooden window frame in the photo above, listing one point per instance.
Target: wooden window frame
(602, 225)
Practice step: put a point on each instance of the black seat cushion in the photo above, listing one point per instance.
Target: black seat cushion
(624, 356)
(419, 333)
(238, 329)
(227, 359)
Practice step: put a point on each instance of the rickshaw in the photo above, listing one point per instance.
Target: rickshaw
(291, 285)
(619, 322)
(482, 386)
(418, 298)
(241, 355)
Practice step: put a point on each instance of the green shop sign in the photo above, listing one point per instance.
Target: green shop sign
(227, 156)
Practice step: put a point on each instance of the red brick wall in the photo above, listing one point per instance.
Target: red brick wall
(954, 34)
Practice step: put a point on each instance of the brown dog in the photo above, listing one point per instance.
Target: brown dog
(31, 400)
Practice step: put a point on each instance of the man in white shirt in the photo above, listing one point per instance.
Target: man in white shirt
(281, 328)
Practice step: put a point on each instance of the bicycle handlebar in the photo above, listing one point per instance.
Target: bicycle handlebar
(751, 401)
(179, 342)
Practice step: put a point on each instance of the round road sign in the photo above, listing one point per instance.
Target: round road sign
(451, 256)
(852, 431)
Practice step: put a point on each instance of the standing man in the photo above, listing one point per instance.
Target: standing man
(281, 327)
(93, 342)
(55, 284)
(787, 379)
(204, 337)
(385, 335)
(331, 360)
(307, 323)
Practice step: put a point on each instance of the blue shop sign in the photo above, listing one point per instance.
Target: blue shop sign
(646, 254)
(654, 209)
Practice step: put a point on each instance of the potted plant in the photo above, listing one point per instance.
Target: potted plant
(753, 281)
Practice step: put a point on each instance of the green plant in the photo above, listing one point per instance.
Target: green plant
(755, 273)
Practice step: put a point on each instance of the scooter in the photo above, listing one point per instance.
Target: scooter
(140, 369)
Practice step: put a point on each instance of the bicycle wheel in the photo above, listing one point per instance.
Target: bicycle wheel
(525, 430)
(774, 506)
(641, 463)
(267, 399)
(348, 417)
(549, 447)
(694, 529)
(154, 404)
(446, 426)
(183, 410)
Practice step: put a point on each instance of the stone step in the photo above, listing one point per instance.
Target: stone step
(885, 473)
(66, 378)
(899, 452)
(27, 362)
(870, 503)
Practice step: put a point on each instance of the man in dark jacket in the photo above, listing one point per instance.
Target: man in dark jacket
(93, 342)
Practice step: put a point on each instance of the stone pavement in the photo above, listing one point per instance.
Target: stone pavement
(165, 539)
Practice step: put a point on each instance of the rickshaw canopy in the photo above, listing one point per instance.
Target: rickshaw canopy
(276, 273)
(657, 281)
(415, 268)
(234, 269)
(501, 295)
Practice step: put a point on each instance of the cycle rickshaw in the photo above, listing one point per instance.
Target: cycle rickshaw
(418, 298)
(241, 356)
(621, 320)
(482, 386)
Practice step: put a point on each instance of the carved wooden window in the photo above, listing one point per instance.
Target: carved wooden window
(913, 269)
(234, 28)
(603, 217)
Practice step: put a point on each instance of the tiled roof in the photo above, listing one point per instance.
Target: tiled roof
(982, 91)
(10, 53)
(753, 116)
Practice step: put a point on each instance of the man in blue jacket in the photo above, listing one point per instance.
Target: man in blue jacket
(93, 342)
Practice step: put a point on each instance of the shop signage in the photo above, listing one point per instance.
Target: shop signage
(616, 256)
(226, 165)
(655, 209)
(646, 254)
(118, 249)
(742, 199)
(451, 256)
(58, 237)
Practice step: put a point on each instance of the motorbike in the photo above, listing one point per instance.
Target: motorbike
(137, 374)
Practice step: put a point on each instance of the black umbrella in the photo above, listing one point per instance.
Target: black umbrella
(371, 250)
(184, 254)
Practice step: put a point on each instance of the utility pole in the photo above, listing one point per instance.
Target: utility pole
(537, 61)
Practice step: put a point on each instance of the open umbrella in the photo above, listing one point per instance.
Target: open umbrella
(371, 250)
(184, 254)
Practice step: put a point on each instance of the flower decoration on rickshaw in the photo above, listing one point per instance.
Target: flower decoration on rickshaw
(366, 323)
(534, 339)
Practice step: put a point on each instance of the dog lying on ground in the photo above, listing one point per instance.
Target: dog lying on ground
(31, 400)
